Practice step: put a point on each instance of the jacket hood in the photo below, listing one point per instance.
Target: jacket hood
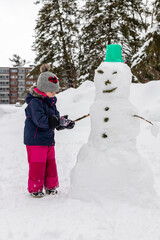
(32, 94)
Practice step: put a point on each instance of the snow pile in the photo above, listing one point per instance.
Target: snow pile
(77, 101)
(109, 165)
(62, 217)
(146, 97)
(1, 112)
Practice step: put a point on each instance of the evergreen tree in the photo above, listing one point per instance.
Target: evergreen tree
(157, 11)
(133, 24)
(109, 22)
(56, 39)
(146, 63)
(17, 61)
(100, 28)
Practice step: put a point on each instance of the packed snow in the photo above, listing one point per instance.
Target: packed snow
(110, 162)
(63, 217)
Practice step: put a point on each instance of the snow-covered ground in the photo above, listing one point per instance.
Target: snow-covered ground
(61, 217)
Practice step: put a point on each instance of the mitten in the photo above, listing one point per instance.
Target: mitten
(53, 121)
(64, 121)
(71, 125)
(60, 128)
(60, 123)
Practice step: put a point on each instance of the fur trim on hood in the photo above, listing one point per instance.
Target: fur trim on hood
(34, 93)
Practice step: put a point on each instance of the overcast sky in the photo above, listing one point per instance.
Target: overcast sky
(17, 23)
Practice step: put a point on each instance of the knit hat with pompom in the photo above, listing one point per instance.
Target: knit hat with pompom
(47, 81)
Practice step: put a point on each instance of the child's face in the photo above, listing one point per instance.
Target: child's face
(50, 94)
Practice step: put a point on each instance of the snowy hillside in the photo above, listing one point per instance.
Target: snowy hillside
(61, 217)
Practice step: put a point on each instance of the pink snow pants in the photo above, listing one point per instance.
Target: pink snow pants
(42, 168)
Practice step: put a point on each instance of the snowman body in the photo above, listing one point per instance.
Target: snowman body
(109, 165)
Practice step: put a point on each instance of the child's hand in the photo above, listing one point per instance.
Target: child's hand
(67, 123)
(71, 125)
(64, 121)
(60, 122)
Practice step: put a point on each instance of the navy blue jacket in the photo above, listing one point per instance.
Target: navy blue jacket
(37, 130)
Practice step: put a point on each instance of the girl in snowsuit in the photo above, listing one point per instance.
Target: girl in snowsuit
(42, 118)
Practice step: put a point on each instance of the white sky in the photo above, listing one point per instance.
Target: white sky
(17, 23)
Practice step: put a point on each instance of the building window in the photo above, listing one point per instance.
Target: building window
(21, 94)
(13, 94)
(21, 89)
(4, 89)
(14, 89)
(4, 95)
(21, 83)
(4, 101)
(4, 76)
(21, 71)
(13, 83)
(4, 83)
(21, 77)
(13, 70)
(29, 82)
(4, 70)
(14, 76)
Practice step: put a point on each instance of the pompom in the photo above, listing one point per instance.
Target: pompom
(45, 67)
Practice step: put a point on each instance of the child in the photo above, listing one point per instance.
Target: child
(42, 118)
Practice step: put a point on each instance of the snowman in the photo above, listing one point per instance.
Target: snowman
(109, 165)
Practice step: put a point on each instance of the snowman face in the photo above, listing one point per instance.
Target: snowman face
(113, 80)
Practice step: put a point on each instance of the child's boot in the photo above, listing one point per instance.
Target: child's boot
(52, 191)
(37, 194)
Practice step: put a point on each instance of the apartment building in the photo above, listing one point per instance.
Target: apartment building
(14, 83)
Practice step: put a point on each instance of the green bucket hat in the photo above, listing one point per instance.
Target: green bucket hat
(113, 53)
